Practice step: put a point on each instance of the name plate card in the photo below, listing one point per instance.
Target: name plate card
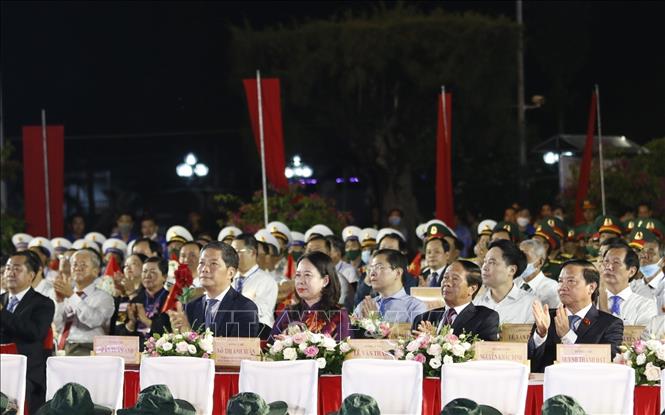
(516, 352)
(431, 296)
(126, 347)
(515, 333)
(398, 330)
(371, 349)
(632, 333)
(583, 353)
(229, 351)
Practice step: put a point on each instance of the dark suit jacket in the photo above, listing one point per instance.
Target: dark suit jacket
(474, 319)
(27, 326)
(237, 316)
(603, 328)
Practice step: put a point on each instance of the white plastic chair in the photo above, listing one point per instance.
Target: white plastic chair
(600, 388)
(378, 379)
(500, 384)
(294, 382)
(13, 369)
(188, 378)
(103, 376)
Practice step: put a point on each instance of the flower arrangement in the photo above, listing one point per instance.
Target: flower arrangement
(298, 344)
(433, 351)
(180, 291)
(646, 357)
(373, 325)
(189, 343)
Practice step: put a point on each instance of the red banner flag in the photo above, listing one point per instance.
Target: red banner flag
(585, 167)
(273, 138)
(34, 180)
(444, 177)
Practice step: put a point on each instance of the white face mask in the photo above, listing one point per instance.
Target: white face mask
(649, 270)
(522, 221)
(530, 269)
(366, 256)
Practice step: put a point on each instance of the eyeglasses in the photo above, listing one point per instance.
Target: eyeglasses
(378, 268)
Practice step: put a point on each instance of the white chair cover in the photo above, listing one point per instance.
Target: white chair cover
(13, 369)
(294, 382)
(500, 384)
(601, 388)
(396, 385)
(103, 376)
(188, 378)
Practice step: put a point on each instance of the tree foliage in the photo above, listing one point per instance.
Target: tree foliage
(628, 181)
(361, 91)
(297, 210)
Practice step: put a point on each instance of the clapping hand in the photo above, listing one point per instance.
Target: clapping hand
(561, 322)
(425, 327)
(63, 287)
(368, 306)
(179, 318)
(541, 315)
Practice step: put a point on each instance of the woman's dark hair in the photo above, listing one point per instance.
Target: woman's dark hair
(141, 257)
(325, 267)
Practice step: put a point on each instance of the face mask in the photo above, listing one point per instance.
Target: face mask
(366, 256)
(296, 255)
(522, 221)
(649, 270)
(394, 220)
(558, 217)
(125, 227)
(530, 269)
(352, 254)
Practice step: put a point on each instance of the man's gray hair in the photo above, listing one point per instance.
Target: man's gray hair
(537, 247)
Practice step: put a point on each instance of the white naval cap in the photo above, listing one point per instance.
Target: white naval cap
(280, 230)
(21, 240)
(60, 245)
(351, 233)
(178, 233)
(43, 242)
(228, 232)
(319, 229)
(387, 231)
(85, 243)
(263, 235)
(486, 227)
(115, 245)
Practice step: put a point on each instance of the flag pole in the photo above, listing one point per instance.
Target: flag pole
(600, 150)
(263, 151)
(46, 184)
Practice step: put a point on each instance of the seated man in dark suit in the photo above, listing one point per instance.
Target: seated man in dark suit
(576, 321)
(25, 319)
(222, 309)
(461, 281)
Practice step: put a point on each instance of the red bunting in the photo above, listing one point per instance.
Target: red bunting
(585, 167)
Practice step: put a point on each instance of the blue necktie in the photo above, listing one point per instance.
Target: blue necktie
(616, 305)
(13, 302)
(239, 283)
(210, 316)
(433, 280)
(574, 322)
(382, 305)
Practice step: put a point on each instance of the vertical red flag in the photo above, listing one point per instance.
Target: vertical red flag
(272, 127)
(444, 177)
(34, 183)
(585, 167)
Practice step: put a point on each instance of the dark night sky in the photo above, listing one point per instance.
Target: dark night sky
(130, 68)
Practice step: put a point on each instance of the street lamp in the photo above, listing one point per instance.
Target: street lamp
(191, 167)
(298, 171)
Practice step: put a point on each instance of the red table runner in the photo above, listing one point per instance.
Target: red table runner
(647, 398)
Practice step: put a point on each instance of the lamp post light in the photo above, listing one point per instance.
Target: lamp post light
(191, 167)
(297, 171)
